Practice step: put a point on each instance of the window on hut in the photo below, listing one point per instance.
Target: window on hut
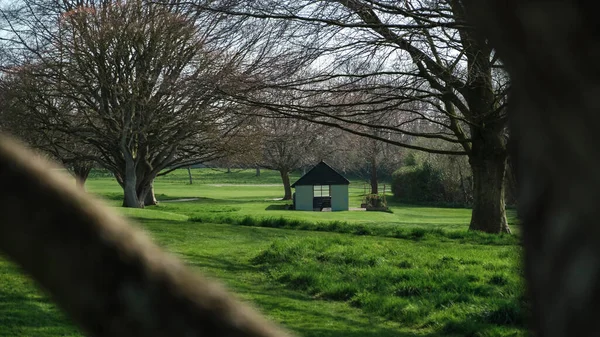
(321, 191)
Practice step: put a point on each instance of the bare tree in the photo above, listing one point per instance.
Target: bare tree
(15, 119)
(136, 81)
(245, 149)
(286, 146)
(363, 157)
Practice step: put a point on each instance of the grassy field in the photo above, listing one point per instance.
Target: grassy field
(237, 195)
(413, 272)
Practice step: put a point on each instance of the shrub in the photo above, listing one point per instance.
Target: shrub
(418, 184)
(410, 160)
(375, 201)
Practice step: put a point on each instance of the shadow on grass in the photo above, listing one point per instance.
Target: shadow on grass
(110, 196)
(391, 201)
(213, 262)
(116, 196)
(375, 332)
(211, 201)
(299, 312)
(21, 315)
(144, 222)
(309, 317)
(281, 207)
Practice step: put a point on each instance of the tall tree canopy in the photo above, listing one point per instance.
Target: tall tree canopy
(135, 80)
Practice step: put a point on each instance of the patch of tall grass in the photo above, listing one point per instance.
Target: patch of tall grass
(435, 286)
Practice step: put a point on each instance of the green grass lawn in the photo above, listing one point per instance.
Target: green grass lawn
(435, 279)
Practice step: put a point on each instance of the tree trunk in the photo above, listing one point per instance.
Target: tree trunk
(258, 171)
(189, 175)
(374, 182)
(554, 118)
(463, 186)
(130, 195)
(228, 169)
(80, 182)
(81, 173)
(489, 214)
(511, 183)
(285, 178)
(149, 198)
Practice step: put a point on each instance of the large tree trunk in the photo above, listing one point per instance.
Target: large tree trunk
(130, 194)
(550, 50)
(489, 213)
(374, 180)
(488, 163)
(554, 124)
(285, 178)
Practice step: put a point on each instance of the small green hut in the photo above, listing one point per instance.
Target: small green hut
(321, 187)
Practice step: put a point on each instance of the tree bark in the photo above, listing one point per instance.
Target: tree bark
(81, 173)
(189, 175)
(463, 186)
(374, 180)
(489, 213)
(285, 178)
(80, 183)
(149, 198)
(258, 171)
(511, 183)
(488, 163)
(130, 197)
(554, 118)
(130, 194)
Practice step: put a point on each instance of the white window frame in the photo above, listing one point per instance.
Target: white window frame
(322, 190)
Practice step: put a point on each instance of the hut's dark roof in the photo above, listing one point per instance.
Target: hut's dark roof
(321, 174)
